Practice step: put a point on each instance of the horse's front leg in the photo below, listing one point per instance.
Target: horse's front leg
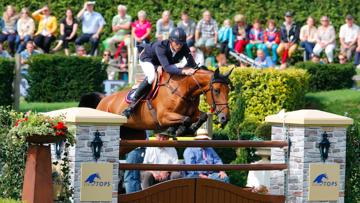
(195, 126)
(176, 122)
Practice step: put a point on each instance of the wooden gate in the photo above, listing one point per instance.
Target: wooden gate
(197, 191)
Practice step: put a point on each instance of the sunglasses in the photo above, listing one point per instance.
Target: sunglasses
(342, 59)
(106, 55)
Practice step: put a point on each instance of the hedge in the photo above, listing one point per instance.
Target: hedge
(328, 76)
(6, 80)
(57, 78)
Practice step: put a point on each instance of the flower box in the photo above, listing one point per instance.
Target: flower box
(43, 139)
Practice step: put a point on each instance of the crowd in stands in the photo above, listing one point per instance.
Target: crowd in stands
(276, 42)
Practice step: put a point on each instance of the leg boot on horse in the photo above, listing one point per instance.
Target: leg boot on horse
(141, 91)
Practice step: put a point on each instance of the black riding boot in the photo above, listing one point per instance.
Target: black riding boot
(140, 92)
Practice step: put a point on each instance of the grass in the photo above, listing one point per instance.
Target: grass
(45, 107)
(9, 201)
(341, 102)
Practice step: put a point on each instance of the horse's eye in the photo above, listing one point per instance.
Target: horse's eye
(217, 91)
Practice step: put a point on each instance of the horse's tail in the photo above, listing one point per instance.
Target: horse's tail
(91, 100)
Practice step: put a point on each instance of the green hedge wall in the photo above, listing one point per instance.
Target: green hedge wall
(6, 80)
(57, 78)
(221, 10)
(328, 76)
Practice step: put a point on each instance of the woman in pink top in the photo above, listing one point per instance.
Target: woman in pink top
(141, 29)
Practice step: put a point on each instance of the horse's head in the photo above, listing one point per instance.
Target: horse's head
(218, 95)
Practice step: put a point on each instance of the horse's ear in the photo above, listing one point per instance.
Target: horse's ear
(217, 73)
(229, 73)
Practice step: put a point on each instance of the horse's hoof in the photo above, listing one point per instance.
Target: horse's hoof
(181, 131)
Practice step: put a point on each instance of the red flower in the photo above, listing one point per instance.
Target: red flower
(26, 119)
(60, 126)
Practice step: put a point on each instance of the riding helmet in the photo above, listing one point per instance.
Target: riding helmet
(178, 35)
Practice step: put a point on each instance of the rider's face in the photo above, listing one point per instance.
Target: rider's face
(175, 46)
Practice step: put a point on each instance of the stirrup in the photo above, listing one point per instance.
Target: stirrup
(127, 112)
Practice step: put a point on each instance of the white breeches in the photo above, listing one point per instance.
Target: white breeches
(149, 71)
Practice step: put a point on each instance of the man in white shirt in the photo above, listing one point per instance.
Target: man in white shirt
(159, 155)
(348, 36)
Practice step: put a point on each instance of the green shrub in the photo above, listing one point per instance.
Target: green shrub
(328, 76)
(263, 131)
(6, 80)
(56, 78)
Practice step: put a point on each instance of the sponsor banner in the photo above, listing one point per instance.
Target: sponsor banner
(324, 182)
(96, 182)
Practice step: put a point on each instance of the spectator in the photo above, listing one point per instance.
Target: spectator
(357, 53)
(226, 37)
(241, 31)
(25, 29)
(221, 60)
(46, 30)
(308, 37)
(289, 35)
(68, 29)
(256, 37)
(3, 53)
(80, 51)
(141, 29)
(8, 27)
(271, 40)
(121, 27)
(348, 36)
(325, 39)
(206, 33)
(342, 58)
(206, 156)
(159, 155)
(28, 52)
(262, 60)
(188, 26)
(92, 25)
(198, 56)
(164, 26)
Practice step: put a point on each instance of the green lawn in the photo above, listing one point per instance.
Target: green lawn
(45, 107)
(342, 102)
(9, 201)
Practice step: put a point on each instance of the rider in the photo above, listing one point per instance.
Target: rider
(165, 53)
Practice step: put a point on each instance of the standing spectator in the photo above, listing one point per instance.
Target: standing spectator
(271, 40)
(206, 156)
(289, 34)
(3, 53)
(121, 27)
(8, 27)
(46, 30)
(68, 28)
(226, 37)
(188, 26)
(348, 36)
(141, 29)
(221, 60)
(263, 61)
(25, 29)
(92, 25)
(342, 58)
(28, 52)
(308, 37)
(159, 155)
(164, 26)
(326, 37)
(81, 51)
(241, 33)
(256, 37)
(206, 33)
(198, 56)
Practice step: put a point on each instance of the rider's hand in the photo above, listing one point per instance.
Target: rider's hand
(188, 71)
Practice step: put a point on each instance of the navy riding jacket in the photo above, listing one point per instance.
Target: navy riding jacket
(159, 53)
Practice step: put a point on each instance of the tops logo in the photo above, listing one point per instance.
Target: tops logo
(323, 180)
(95, 180)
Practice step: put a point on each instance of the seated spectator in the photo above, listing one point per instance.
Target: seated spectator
(80, 51)
(3, 53)
(206, 156)
(357, 53)
(241, 33)
(28, 52)
(226, 37)
(342, 58)
(159, 155)
(68, 29)
(308, 37)
(256, 38)
(25, 29)
(348, 36)
(121, 27)
(46, 30)
(325, 39)
(206, 33)
(262, 60)
(289, 35)
(141, 29)
(92, 25)
(188, 26)
(198, 56)
(271, 40)
(8, 27)
(164, 26)
(221, 60)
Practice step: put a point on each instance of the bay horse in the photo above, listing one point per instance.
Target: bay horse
(175, 105)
